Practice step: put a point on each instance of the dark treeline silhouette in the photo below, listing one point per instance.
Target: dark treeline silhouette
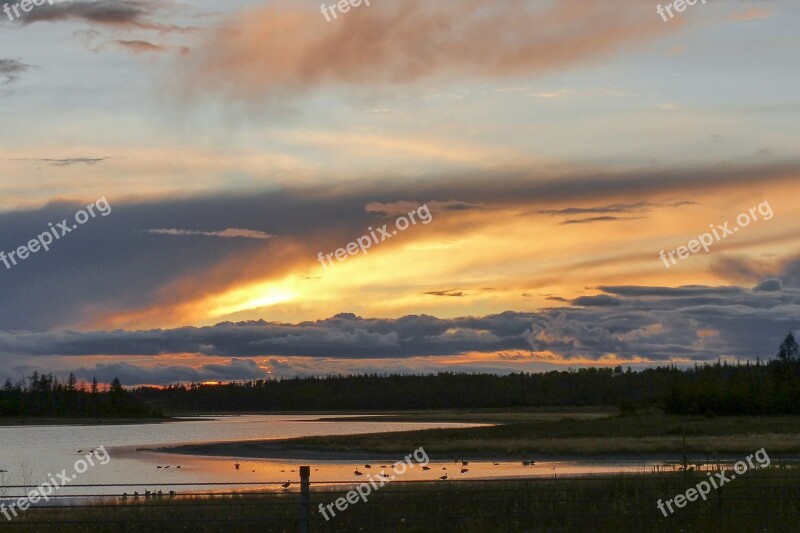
(719, 388)
(44, 395)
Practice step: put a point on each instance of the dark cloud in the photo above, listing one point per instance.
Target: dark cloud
(608, 212)
(614, 208)
(129, 374)
(773, 284)
(448, 292)
(672, 292)
(70, 161)
(694, 322)
(602, 300)
(597, 219)
(119, 14)
(10, 69)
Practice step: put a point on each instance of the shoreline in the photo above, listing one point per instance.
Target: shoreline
(277, 449)
(28, 421)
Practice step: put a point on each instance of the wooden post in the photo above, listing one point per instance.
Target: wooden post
(305, 506)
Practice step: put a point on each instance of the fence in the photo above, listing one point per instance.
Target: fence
(763, 500)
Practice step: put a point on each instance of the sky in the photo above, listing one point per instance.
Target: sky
(556, 155)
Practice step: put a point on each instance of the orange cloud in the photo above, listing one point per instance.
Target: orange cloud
(282, 49)
(141, 47)
(754, 13)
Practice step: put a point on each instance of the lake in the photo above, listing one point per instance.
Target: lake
(31, 454)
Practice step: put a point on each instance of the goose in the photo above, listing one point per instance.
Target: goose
(464, 463)
(286, 485)
(166, 466)
(426, 468)
(444, 477)
(496, 464)
(367, 466)
(236, 464)
(464, 470)
(358, 473)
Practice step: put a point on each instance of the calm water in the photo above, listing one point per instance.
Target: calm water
(30, 454)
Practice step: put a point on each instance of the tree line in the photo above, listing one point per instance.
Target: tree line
(771, 387)
(720, 388)
(44, 395)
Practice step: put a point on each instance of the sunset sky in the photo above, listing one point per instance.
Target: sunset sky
(560, 146)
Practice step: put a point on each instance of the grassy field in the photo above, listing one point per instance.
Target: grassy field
(760, 500)
(593, 433)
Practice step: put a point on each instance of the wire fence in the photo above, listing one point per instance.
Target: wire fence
(760, 500)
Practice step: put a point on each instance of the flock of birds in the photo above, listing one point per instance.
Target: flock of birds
(464, 469)
(285, 486)
(149, 495)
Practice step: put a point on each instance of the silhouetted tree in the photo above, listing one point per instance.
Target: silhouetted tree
(789, 350)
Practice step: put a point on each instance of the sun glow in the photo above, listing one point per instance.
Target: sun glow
(253, 297)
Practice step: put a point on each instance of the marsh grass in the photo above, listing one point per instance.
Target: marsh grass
(641, 434)
(760, 500)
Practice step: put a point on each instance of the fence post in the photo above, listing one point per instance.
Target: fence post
(305, 506)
